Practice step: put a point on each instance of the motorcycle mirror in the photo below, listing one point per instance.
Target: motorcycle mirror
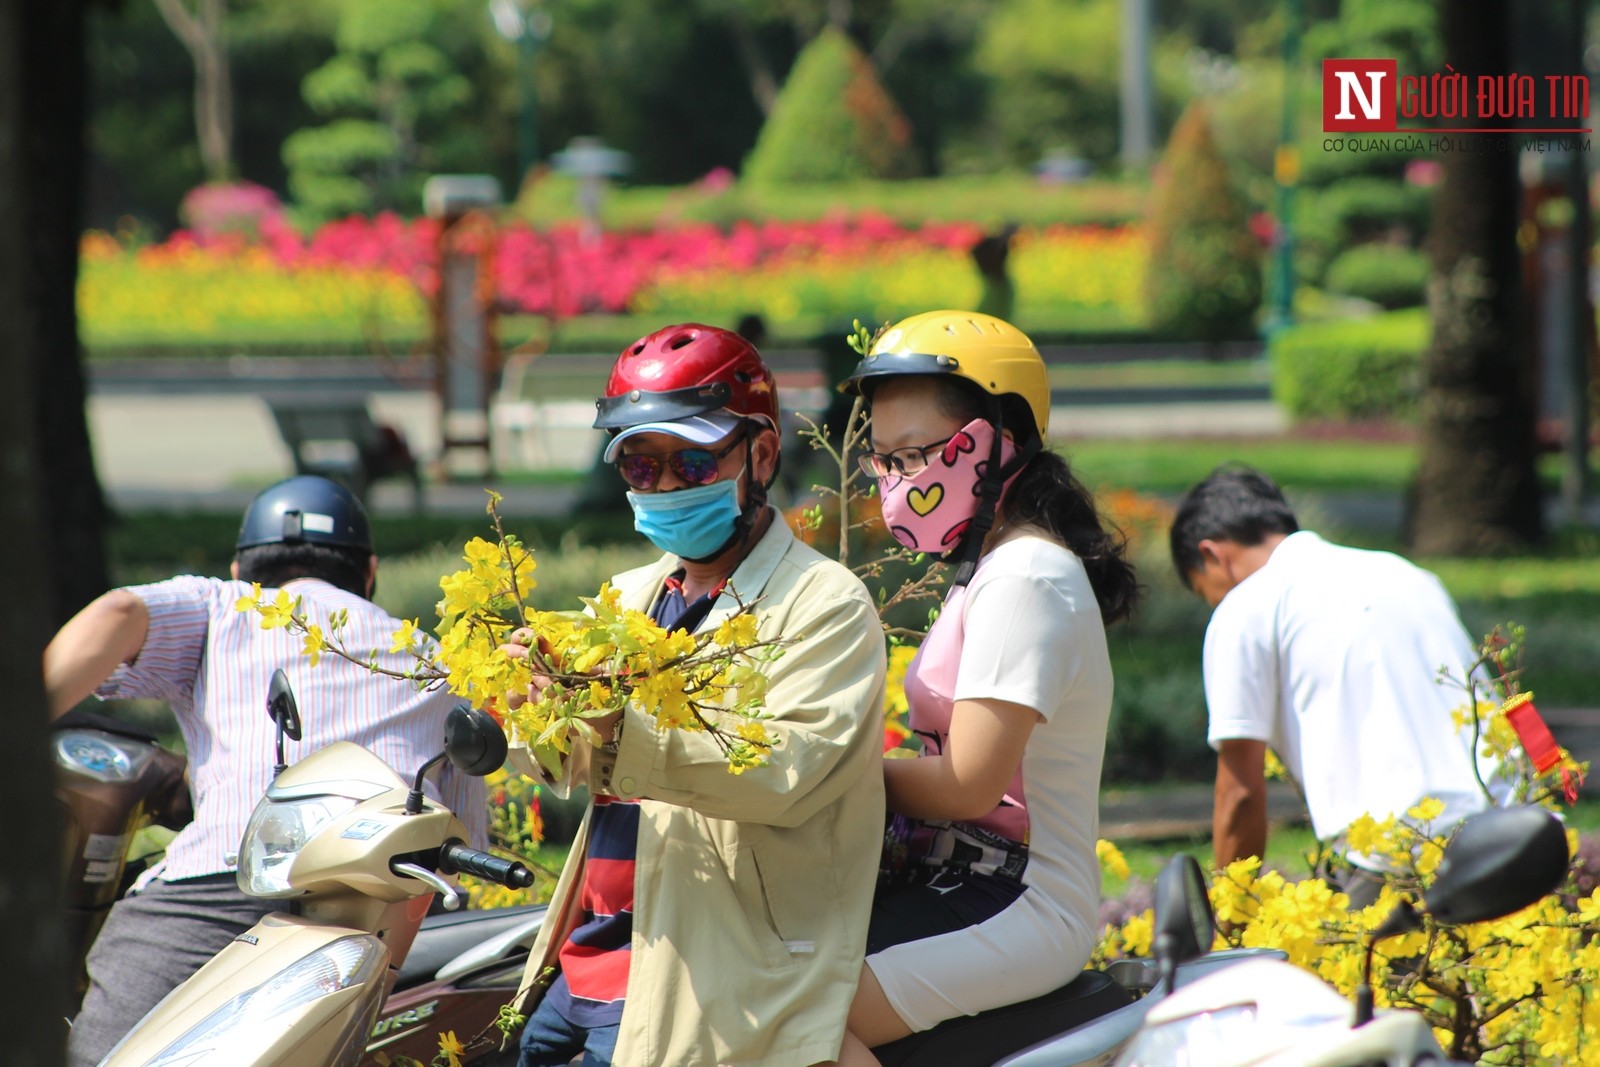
(283, 711)
(281, 706)
(1184, 924)
(1498, 862)
(474, 742)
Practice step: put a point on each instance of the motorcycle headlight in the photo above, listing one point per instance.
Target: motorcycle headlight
(278, 830)
(258, 1016)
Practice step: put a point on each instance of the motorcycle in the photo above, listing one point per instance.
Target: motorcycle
(1092, 1018)
(361, 856)
(1267, 1012)
(115, 780)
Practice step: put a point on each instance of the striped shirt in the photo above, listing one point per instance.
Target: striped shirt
(213, 664)
(593, 984)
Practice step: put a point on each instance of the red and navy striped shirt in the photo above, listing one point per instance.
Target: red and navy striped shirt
(594, 962)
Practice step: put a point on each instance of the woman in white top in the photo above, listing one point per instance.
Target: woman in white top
(991, 885)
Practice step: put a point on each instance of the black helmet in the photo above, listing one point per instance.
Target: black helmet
(306, 509)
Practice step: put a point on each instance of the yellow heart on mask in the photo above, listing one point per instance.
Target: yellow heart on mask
(924, 502)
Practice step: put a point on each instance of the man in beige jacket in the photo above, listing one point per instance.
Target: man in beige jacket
(705, 917)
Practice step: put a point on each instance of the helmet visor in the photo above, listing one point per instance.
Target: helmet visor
(636, 406)
(884, 364)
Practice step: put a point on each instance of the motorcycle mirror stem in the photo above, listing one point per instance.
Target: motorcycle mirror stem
(1403, 919)
(284, 712)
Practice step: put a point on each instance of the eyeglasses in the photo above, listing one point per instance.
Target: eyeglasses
(695, 466)
(902, 461)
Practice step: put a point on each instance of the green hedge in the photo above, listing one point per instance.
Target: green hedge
(1391, 276)
(1354, 369)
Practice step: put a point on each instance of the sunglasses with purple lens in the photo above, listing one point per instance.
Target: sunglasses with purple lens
(695, 466)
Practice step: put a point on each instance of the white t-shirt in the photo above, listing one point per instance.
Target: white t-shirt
(1026, 630)
(1331, 655)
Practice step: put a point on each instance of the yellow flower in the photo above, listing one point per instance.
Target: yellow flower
(1111, 859)
(1367, 834)
(404, 637)
(1426, 810)
(451, 1049)
(736, 631)
(251, 600)
(754, 732)
(278, 614)
(1274, 769)
(1137, 934)
(314, 643)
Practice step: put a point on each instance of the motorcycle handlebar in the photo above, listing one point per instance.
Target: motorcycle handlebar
(456, 858)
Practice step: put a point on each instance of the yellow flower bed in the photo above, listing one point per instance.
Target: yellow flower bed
(202, 292)
(1052, 268)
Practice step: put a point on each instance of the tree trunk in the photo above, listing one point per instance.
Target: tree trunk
(204, 33)
(51, 188)
(32, 35)
(1477, 488)
(763, 84)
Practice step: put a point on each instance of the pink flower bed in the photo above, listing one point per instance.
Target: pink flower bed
(559, 271)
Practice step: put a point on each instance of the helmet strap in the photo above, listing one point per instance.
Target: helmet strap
(990, 487)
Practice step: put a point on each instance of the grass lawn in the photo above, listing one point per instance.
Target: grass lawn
(988, 200)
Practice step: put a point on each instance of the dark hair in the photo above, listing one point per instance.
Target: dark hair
(274, 564)
(1048, 497)
(1234, 503)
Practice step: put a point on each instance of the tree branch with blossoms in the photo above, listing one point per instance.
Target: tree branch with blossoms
(591, 663)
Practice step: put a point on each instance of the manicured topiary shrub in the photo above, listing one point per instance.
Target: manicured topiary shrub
(1353, 369)
(1389, 275)
(1204, 282)
(833, 121)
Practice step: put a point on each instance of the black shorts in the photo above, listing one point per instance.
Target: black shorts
(952, 900)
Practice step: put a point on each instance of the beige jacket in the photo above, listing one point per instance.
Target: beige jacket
(752, 891)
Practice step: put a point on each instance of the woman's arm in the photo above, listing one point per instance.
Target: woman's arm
(981, 757)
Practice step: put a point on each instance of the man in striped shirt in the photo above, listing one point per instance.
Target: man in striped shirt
(182, 640)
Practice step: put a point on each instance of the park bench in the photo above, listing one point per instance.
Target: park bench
(338, 439)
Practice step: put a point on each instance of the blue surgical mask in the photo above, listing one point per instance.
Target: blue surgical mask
(691, 523)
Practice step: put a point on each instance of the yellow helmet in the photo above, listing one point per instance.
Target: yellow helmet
(989, 352)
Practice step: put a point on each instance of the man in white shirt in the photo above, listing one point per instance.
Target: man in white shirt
(1328, 655)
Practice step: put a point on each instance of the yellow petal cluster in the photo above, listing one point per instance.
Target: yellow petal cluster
(580, 664)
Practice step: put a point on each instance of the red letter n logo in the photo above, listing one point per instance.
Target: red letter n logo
(1358, 95)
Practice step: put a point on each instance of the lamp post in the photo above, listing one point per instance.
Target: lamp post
(526, 24)
(1286, 171)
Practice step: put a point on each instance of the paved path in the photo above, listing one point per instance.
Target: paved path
(157, 448)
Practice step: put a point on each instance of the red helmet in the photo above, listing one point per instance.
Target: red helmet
(685, 370)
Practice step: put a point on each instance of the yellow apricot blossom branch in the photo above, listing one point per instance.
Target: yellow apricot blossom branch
(591, 663)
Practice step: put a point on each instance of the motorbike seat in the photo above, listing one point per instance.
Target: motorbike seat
(982, 1039)
(445, 936)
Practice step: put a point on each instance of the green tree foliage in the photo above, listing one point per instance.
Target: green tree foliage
(1204, 281)
(382, 91)
(833, 121)
(1053, 66)
(143, 155)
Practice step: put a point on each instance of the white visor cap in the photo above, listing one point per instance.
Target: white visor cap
(705, 429)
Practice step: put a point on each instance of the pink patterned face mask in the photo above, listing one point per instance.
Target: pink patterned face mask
(930, 511)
